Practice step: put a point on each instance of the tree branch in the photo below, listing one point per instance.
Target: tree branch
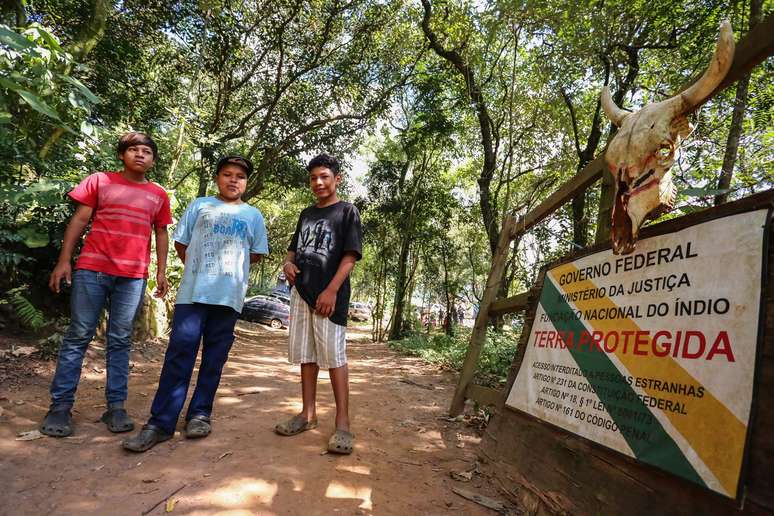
(573, 118)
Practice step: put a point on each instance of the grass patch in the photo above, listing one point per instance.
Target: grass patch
(449, 353)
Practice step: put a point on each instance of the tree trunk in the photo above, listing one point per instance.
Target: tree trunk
(92, 32)
(409, 325)
(737, 120)
(21, 13)
(605, 213)
(396, 329)
(178, 154)
(377, 333)
(580, 223)
(732, 142)
(153, 319)
(489, 137)
(204, 179)
(447, 323)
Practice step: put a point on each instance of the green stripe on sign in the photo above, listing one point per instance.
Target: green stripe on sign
(642, 431)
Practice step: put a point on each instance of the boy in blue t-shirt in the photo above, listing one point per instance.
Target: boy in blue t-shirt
(217, 238)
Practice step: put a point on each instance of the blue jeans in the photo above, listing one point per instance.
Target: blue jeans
(91, 292)
(192, 322)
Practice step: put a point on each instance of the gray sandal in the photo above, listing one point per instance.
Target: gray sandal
(149, 436)
(117, 420)
(342, 442)
(295, 425)
(57, 423)
(198, 426)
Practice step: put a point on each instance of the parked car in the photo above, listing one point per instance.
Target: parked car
(264, 309)
(359, 311)
(280, 296)
(259, 296)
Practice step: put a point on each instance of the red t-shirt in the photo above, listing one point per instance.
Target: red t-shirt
(124, 213)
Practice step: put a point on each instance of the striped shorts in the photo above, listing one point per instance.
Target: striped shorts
(314, 338)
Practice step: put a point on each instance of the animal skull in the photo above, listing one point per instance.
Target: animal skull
(643, 150)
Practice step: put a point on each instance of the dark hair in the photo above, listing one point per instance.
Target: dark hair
(133, 138)
(324, 160)
(235, 160)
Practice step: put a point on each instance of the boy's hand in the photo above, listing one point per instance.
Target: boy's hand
(62, 271)
(162, 285)
(290, 270)
(326, 303)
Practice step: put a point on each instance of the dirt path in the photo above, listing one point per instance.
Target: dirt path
(405, 449)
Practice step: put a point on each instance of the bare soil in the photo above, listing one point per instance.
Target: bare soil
(406, 447)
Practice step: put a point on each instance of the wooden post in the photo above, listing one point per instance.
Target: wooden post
(478, 336)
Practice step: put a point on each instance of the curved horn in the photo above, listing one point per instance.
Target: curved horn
(613, 112)
(698, 92)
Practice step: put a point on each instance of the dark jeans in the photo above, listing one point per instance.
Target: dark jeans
(190, 324)
(91, 292)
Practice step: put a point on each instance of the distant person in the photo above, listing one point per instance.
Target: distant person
(322, 253)
(282, 284)
(217, 238)
(111, 272)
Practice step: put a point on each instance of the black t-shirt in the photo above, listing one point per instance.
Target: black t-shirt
(322, 237)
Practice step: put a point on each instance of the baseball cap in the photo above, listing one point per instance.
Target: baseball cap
(237, 160)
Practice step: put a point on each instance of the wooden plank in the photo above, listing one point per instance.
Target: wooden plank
(758, 201)
(478, 335)
(509, 305)
(483, 395)
(757, 472)
(593, 479)
(567, 191)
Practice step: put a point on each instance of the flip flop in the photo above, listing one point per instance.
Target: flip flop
(342, 442)
(295, 425)
(117, 420)
(198, 426)
(57, 423)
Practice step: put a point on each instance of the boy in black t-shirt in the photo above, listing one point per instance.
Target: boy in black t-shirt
(321, 254)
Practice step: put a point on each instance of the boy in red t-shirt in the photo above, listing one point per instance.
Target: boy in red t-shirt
(112, 269)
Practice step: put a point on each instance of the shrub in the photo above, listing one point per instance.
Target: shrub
(449, 353)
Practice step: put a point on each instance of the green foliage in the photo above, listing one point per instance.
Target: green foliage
(27, 313)
(37, 93)
(31, 217)
(449, 353)
(49, 347)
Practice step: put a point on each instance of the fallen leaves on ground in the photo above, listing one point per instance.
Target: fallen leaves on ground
(30, 435)
(23, 351)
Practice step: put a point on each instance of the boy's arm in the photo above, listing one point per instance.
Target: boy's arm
(255, 257)
(181, 249)
(73, 233)
(289, 267)
(162, 250)
(326, 301)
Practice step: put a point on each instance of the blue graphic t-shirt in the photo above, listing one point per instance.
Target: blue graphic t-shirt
(220, 238)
